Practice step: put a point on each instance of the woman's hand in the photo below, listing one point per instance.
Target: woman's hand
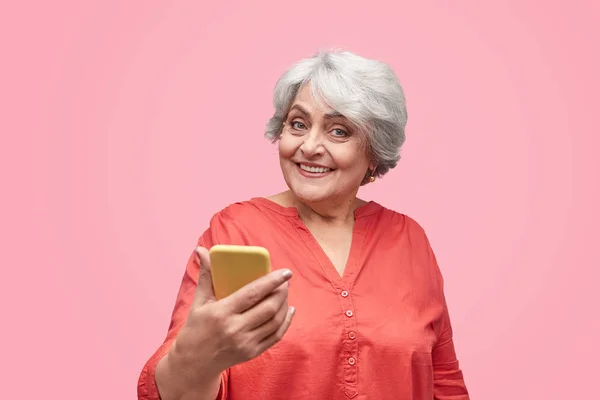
(220, 334)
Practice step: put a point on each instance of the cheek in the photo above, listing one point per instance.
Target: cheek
(286, 148)
(351, 158)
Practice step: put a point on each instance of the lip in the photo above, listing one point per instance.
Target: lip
(312, 174)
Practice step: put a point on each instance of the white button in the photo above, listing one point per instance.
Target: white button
(349, 313)
(351, 361)
(344, 294)
(352, 335)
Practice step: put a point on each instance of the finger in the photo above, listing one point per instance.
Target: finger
(270, 326)
(272, 339)
(267, 309)
(204, 288)
(252, 293)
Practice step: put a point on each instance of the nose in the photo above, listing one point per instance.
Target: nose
(313, 143)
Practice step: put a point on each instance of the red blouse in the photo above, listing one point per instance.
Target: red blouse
(382, 331)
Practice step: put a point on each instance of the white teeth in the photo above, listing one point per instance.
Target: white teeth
(314, 169)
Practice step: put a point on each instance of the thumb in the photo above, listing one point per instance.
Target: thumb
(204, 288)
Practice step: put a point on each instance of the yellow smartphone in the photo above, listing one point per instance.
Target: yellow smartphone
(235, 266)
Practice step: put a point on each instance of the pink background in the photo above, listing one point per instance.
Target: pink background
(126, 125)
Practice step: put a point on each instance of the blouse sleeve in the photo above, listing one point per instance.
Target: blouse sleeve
(146, 388)
(448, 378)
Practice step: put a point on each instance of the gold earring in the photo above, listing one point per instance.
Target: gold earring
(372, 177)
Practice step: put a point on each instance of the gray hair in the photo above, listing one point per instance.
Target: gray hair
(365, 91)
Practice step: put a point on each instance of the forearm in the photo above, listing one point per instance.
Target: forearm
(173, 385)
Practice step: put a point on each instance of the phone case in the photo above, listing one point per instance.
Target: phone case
(233, 267)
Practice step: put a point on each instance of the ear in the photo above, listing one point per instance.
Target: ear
(372, 166)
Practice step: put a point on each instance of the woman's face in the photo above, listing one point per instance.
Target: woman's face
(322, 156)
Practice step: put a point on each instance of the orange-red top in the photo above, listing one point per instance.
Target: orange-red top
(381, 331)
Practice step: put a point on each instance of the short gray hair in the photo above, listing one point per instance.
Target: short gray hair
(365, 91)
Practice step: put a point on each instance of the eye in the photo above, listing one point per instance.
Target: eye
(297, 125)
(337, 132)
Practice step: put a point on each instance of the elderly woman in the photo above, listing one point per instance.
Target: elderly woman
(359, 281)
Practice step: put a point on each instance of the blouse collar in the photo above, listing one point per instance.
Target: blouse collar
(365, 210)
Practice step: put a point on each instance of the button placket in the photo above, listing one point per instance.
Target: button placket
(349, 355)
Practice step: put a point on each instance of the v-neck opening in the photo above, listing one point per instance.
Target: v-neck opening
(345, 280)
(339, 281)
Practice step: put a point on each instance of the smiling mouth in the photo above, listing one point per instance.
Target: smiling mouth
(313, 170)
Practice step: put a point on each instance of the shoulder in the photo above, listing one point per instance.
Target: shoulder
(237, 222)
(401, 223)
(240, 213)
(245, 209)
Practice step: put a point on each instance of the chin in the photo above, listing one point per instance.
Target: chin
(310, 193)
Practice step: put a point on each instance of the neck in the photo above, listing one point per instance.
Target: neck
(337, 211)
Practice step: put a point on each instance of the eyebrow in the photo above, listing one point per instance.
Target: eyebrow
(331, 115)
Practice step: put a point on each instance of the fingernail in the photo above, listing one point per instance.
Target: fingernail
(292, 310)
(286, 273)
